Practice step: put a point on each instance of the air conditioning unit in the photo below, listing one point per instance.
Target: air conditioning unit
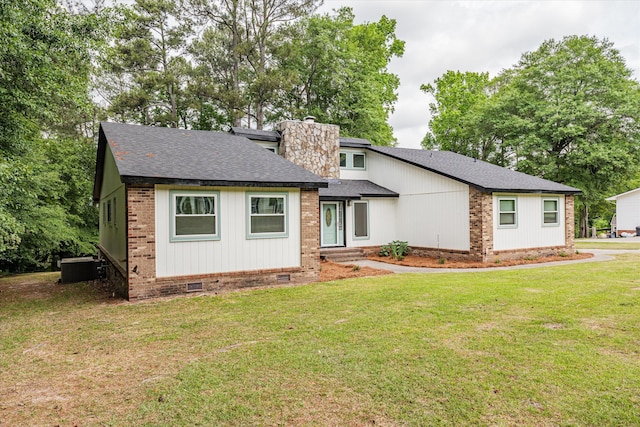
(79, 269)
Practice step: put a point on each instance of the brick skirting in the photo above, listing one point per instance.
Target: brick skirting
(116, 275)
(139, 280)
(218, 282)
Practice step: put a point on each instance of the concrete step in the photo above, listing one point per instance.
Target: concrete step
(342, 254)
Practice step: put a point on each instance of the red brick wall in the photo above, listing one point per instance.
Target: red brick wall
(310, 233)
(141, 240)
(569, 218)
(116, 275)
(480, 225)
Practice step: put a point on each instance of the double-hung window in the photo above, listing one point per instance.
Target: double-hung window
(507, 212)
(194, 215)
(360, 220)
(267, 215)
(550, 212)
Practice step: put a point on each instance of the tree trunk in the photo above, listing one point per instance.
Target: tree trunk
(584, 220)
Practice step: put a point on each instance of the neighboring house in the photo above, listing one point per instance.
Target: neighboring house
(186, 210)
(627, 216)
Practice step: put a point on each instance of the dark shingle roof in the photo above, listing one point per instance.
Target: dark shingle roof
(353, 142)
(346, 189)
(145, 154)
(256, 135)
(476, 173)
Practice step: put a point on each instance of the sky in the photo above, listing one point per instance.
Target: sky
(483, 36)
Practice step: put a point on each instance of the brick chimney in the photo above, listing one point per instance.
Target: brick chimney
(313, 146)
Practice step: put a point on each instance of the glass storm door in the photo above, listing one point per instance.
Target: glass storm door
(331, 230)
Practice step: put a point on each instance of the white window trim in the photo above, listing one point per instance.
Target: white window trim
(271, 146)
(353, 214)
(172, 213)
(515, 212)
(350, 155)
(557, 212)
(249, 215)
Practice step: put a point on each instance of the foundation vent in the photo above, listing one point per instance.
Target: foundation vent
(194, 287)
(284, 278)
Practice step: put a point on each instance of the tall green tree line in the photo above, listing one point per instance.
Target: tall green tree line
(568, 111)
(250, 63)
(46, 156)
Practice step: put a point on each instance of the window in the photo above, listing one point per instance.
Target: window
(358, 160)
(352, 160)
(271, 146)
(109, 212)
(361, 220)
(343, 160)
(114, 217)
(507, 212)
(194, 215)
(267, 215)
(550, 213)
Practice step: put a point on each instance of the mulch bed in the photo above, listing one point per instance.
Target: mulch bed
(333, 271)
(417, 261)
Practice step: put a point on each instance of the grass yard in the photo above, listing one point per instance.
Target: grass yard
(547, 346)
(608, 244)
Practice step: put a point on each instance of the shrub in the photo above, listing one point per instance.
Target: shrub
(396, 249)
(385, 250)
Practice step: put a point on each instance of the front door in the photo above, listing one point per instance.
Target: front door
(331, 231)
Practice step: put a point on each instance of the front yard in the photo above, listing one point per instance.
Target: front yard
(546, 346)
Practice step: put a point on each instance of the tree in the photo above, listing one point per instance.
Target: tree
(45, 64)
(568, 112)
(575, 116)
(456, 115)
(337, 71)
(144, 73)
(238, 49)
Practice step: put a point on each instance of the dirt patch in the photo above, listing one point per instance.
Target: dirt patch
(418, 261)
(332, 271)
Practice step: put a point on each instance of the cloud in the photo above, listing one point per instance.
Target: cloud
(484, 36)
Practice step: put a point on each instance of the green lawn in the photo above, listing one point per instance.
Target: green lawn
(539, 347)
(607, 244)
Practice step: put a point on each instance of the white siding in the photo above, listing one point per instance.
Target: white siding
(354, 174)
(346, 173)
(382, 223)
(432, 210)
(628, 211)
(529, 232)
(113, 237)
(233, 252)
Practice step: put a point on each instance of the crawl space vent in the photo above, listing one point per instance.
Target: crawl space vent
(284, 278)
(193, 287)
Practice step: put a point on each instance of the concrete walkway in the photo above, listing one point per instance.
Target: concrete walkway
(598, 256)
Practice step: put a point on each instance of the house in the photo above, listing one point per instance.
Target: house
(627, 217)
(184, 211)
(442, 203)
